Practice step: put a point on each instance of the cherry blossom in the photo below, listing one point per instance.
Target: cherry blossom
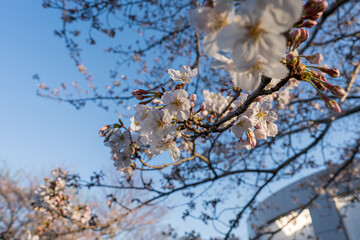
(167, 144)
(243, 124)
(177, 104)
(157, 125)
(211, 21)
(257, 29)
(262, 114)
(185, 75)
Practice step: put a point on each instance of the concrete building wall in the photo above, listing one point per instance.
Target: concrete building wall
(326, 221)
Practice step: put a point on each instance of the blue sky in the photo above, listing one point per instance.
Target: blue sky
(38, 134)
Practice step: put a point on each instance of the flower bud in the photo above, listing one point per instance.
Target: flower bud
(337, 91)
(319, 85)
(315, 59)
(310, 4)
(320, 76)
(308, 24)
(193, 97)
(298, 36)
(251, 139)
(313, 7)
(204, 113)
(179, 86)
(291, 57)
(330, 104)
(295, 36)
(202, 107)
(333, 106)
(138, 94)
(334, 72)
(102, 130)
(192, 104)
(321, 6)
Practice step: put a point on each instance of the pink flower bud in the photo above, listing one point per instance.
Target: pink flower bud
(310, 4)
(202, 107)
(318, 75)
(334, 72)
(308, 24)
(315, 16)
(298, 36)
(204, 113)
(295, 36)
(193, 97)
(333, 106)
(313, 7)
(251, 139)
(321, 6)
(315, 59)
(337, 91)
(304, 34)
(319, 85)
(291, 57)
(104, 128)
(138, 94)
(192, 104)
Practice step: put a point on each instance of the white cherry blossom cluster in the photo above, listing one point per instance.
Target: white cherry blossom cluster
(121, 146)
(253, 35)
(257, 122)
(52, 200)
(153, 128)
(215, 102)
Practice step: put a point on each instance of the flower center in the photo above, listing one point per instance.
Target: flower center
(160, 124)
(261, 115)
(240, 124)
(255, 31)
(176, 103)
(184, 76)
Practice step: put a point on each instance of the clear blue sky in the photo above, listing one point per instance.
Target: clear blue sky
(39, 134)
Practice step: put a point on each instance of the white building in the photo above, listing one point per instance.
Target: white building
(334, 215)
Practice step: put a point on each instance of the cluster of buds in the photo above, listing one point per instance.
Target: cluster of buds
(141, 94)
(313, 10)
(297, 37)
(320, 83)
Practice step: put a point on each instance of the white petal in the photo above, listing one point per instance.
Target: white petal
(243, 81)
(286, 12)
(174, 151)
(223, 6)
(210, 44)
(275, 70)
